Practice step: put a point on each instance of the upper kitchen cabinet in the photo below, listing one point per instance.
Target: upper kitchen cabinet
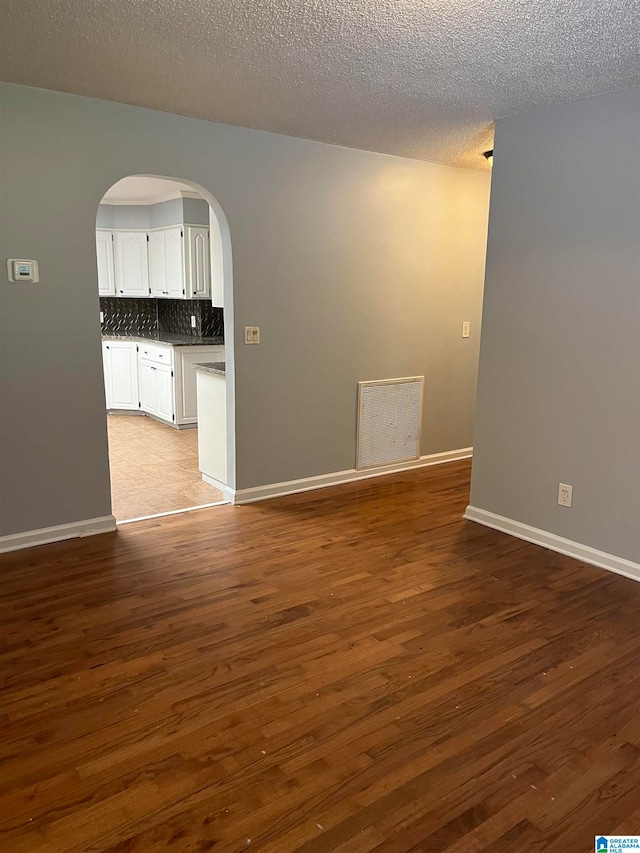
(180, 262)
(162, 250)
(157, 264)
(166, 263)
(104, 254)
(131, 263)
(197, 262)
(174, 262)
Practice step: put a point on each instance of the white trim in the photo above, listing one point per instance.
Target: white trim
(172, 512)
(159, 228)
(149, 201)
(228, 494)
(46, 535)
(554, 543)
(307, 484)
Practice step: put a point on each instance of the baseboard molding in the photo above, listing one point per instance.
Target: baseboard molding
(46, 535)
(555, 543)
(322, 481)
(227, 493)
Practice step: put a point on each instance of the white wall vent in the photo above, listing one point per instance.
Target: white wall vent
(389, 421)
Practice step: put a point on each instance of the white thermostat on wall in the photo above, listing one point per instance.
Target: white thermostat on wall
(19, 269)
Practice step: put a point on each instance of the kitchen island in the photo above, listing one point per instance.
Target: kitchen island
(211, 392)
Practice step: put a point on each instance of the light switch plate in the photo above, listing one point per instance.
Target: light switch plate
(252, 334)
(466, 327)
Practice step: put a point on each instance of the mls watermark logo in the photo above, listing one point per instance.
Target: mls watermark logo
(617, 843)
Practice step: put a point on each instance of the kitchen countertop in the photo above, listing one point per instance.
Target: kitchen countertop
(217, 367)
(168, 338)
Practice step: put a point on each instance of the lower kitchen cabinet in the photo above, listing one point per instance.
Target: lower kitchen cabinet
(185, 379)
(157, 390)
(147, 386)
(120, 363)
(154, 378)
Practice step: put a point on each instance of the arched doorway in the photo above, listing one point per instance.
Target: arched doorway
(164, 263)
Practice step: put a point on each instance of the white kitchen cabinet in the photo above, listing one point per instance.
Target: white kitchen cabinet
(155, 378)
(197, 262)
(132, 263)
(120, 363)
(164, 393)
(157, 264)
(147, 385)
(104, 256)
(174, 262)
(185, 379)
(157, 381)
(156, 390)
(166, 263)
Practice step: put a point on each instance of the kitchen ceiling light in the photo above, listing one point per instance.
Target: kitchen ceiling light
(489, 156)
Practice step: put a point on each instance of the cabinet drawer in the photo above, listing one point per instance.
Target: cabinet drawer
(157, 353)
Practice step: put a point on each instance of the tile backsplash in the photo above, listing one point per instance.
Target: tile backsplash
(174, 315)
(128, 316)
(146, 316)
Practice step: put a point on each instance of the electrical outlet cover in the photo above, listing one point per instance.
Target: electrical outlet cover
(565, 494)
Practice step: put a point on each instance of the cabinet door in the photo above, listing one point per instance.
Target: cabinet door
(157, 264)
(174, 263)
(104, 255)
(185, 379)
(198, 262)
(106, 370)
(122, 376)
(132, 263)
(164, 392)
(147, 386)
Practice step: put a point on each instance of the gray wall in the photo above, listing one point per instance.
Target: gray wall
(165, 213)
(195, 211)
(355, 266)
(559, 383)
(106, 216)
(176, 211)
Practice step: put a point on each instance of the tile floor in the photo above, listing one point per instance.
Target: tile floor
(154, 468)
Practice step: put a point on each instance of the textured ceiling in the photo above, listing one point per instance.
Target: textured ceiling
(418, 78)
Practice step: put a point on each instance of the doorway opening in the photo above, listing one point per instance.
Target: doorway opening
(161, 253)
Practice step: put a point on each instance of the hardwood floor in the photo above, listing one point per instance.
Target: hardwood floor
(154, 468)
(343, 671)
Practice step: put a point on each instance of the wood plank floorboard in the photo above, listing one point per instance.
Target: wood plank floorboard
(350, 670)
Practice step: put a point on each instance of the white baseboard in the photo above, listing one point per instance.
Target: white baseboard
(322, 481)
(46, 535)
(555, 543)
(227, 493)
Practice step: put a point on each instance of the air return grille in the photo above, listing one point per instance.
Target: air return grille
(389, 421)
